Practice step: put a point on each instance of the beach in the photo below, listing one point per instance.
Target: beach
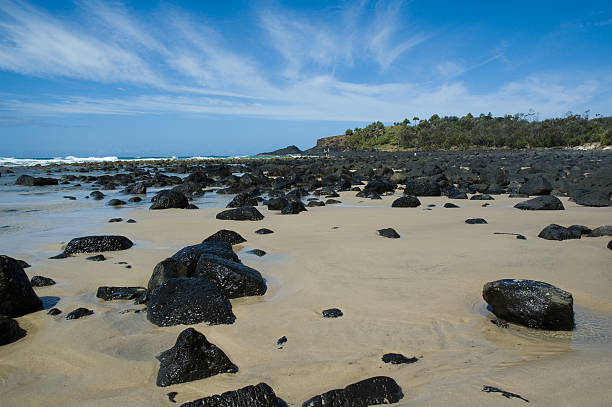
(419, 295)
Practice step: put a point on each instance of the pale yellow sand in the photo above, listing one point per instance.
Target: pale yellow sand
(419, 295)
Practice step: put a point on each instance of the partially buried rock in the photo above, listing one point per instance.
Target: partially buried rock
(79, 313)
(10, 330)
(190, 255)
(398, 358)
(332, 313)
(130, 221)
(558, 232)
(243, 199)
(192, 358)
(610, 245)
(169, 198)
(228, 236)
(601, 231)
(30, 181)
(293, 207)
(233, 279)
(264, 231)
(482, 197)
(116, 202)
(450, 205)
(257, 252)
(242, 213)
(476, 221)
(92, 244)
(188, 301)
(281, 341)
(261, 395)
(115, 220)
(531, 303)
(54, 311)
(407, 201)
(121, 293)
(17, 297)
(372, 391)
(40, 281)
(135, 199)
(97, 257)
(541, 203)
(332, 202)
(97, 195)
(165, 270)
(388, 232)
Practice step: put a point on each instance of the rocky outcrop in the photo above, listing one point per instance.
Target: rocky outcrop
(289, 150)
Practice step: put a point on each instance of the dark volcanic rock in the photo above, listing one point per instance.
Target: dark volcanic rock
(388, 232)
(231, 278)
(97, 195)
(169, 198)
(332, 313)
(281, 341)
(91, 244)
(597, 198)
(397, 358)
(380, 186)
(135, 199)
(531, 303)
(40, 281)
(257, 252)
(79, 313)
(476, 221)
(422, 187)
(283, 151)
(54, 311)
(23, 264)
(407, 201)
(482, 197)
(116, 202)
(227, 236)
(541, 203)
(192, 358)
(190, 255)
(10, 330)
(579, 230)
(243, 199)
(264, 231)
(165, 270)
(455, 193)
(188, 301)
(261, 395)
(276, 204)
(97, 257)
(242, 213)
(17, 297)
(506, 394)
(609, 246)
(293, 208)
(35, 181)
(115, 220)
(605, 230)
(536, 186)
(121, 293)
(139, 188)
(557, 232)
(450, 205)
(375, 390)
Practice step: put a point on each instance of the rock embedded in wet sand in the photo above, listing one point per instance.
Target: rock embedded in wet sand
(260, 395)
(79, 313)
(531, 303)
(121, 293)
(227, 236)
(241, 213)
(10, 330)
(17, 297)
(558, 232)
(92, 244)
(407, 201)
(398, 358)
(541, 203)
(30, 181)
(264, 231)
(332, 313)
(372, 391)
(476, 221)
(40, 281)
(168, 198)
(388, 232)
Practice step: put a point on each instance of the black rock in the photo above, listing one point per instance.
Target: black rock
(242, 213)
(388, 232)
(264, 231)
(72, 198)
(506, 394)
(536, 186)
(35, 181)
(139, 188)
(596, 198)
(92, 244)
(227, 236)
(541, 203)
(313, 204)
(482, 197)
(289, 150)
(375, 390)
(257, 252)
(121, 293)
(9, 330)
(116, 202)
(579, 230)
(79, 313)
(54, 311)
(130, 221)
(97, 195)
(476, 221)
(233, 279)
(293, 207)
(407, 201)
(398, 358)
(557, 232)
(192, 358)
(97, 257)
(40, 281)
(261, 395)
(243, 199)
(135, 199)
(276, 204)
(188, 301)
(531, 303)
(114, 220)
(332, 313)
(609, 246)
(23, 264)
(422, 187)
(332, 202)
(17, 297)
(165, 270)
(455, 193)
(169, 198)
(380, 187)
(450, 205)
(605, 230)
(171, 396)
(190, 255)
(192, 206)
(281, 341)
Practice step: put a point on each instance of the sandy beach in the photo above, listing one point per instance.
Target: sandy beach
(420, 295)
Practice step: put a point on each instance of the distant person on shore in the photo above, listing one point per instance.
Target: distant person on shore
(326, 151)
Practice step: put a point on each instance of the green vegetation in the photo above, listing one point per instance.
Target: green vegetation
(484, 131)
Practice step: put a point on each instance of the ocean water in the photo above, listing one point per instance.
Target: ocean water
(28, 162)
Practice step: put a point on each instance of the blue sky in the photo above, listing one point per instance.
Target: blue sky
(193, 78)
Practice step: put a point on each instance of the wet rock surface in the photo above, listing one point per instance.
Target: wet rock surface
(40, 281)
(92, 244)
(233, 279)
(17, 297)
(260, 395)
(121, 293)
(332, 313)
(241, 213)
(79, 313)
(9, 330)
(541, 203)
(372, 391)
(398, 358)
(407, 201)
(227, 236)
(558, 232)
(168, 198)
(389, 233)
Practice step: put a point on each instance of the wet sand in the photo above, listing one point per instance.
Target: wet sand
(419, 295)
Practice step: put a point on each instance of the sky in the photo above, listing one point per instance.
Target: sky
(160, 78)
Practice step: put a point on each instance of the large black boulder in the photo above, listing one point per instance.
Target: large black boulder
(276, 204)
(188, 301)
(192, 358)
(169, 198)
(293, 207)
(243, 199)
(30, 181)
(531, 303)
(605, 230)
(536, 186)
(231, 278)
(165, 270)
(407, 201)
(541, 203)
(422, 187)
(558, 232)
(10, 330)
(17, 297)
(227, 236)
(375, 390)
(190, 255)
(241, 213)
(260, 395)
(92, 244)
